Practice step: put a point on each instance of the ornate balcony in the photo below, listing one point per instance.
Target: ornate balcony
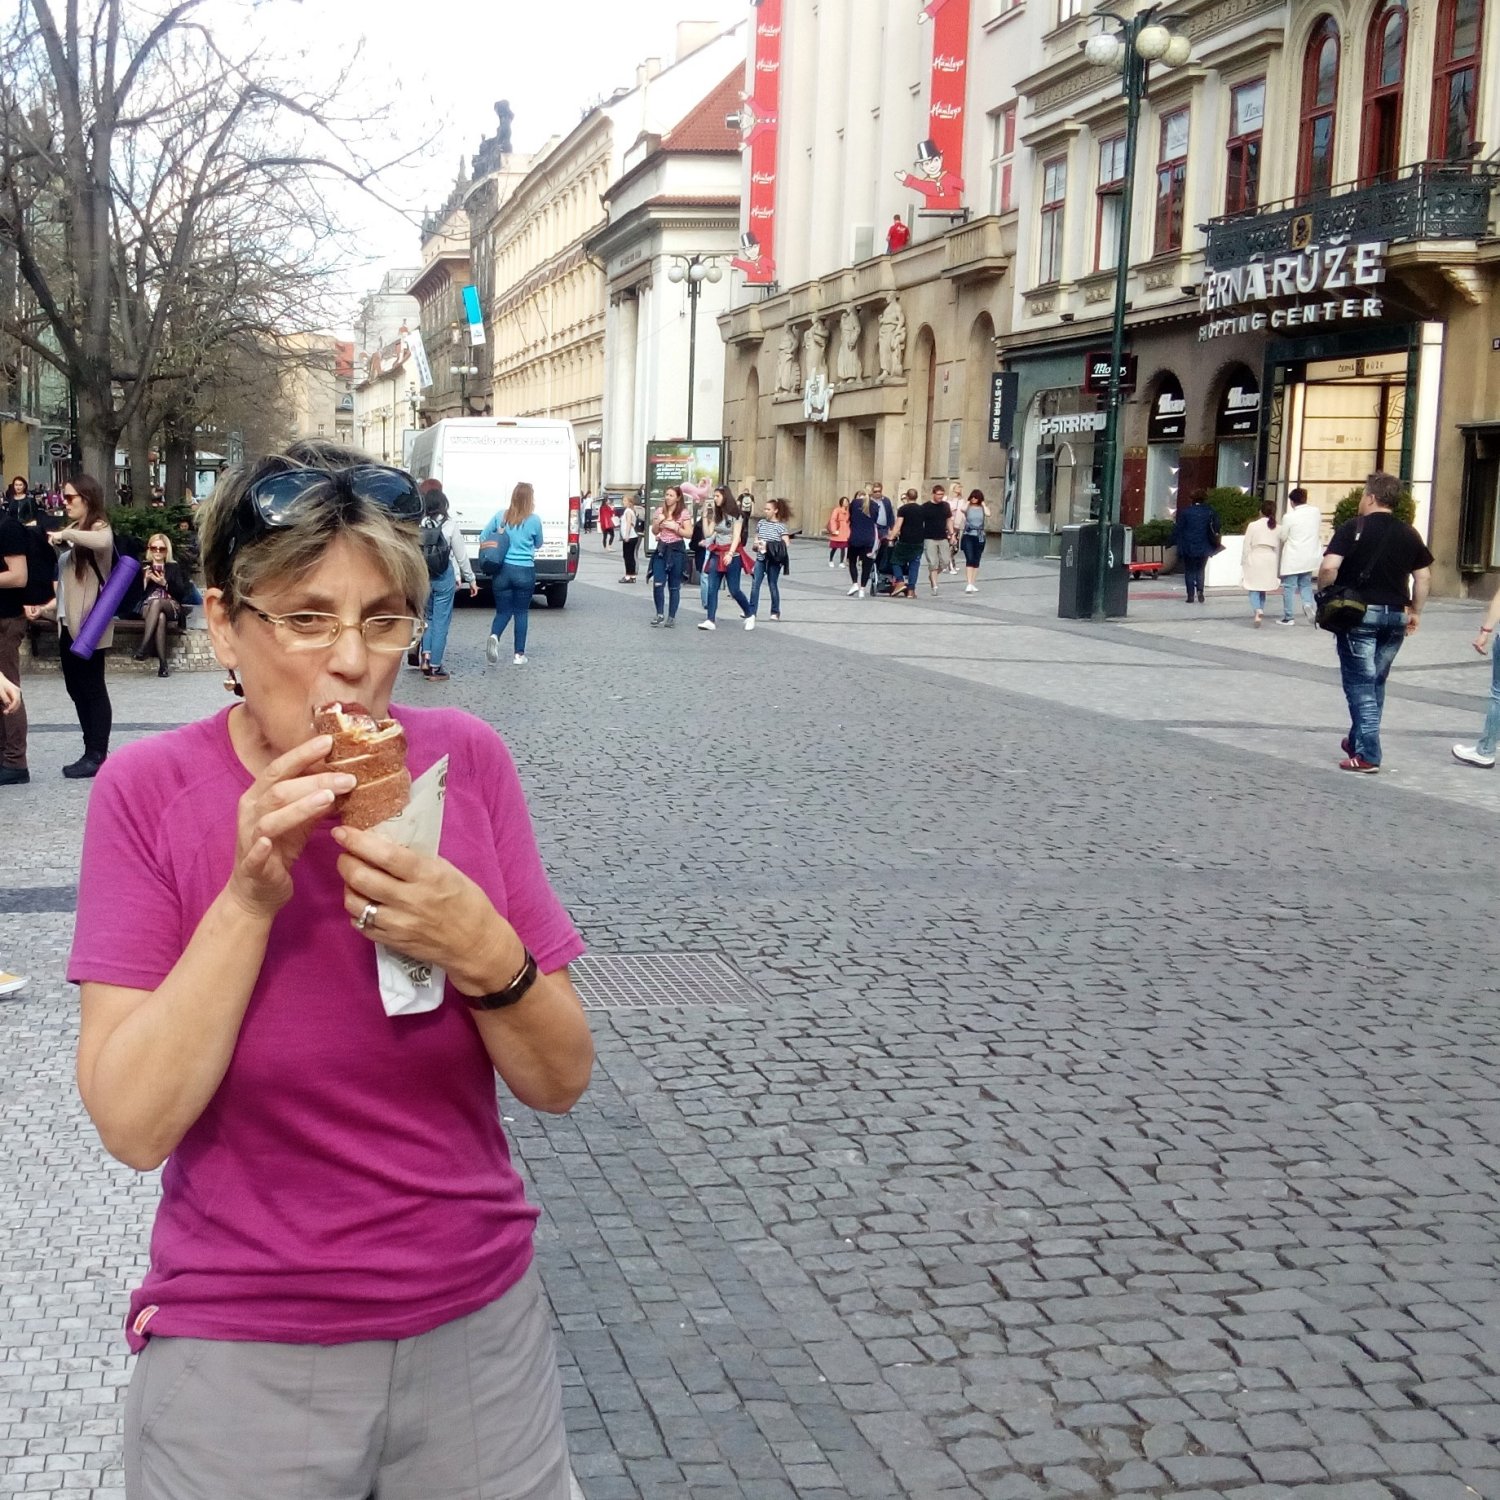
(1429, 201)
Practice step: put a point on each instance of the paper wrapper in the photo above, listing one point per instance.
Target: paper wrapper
(408, 986)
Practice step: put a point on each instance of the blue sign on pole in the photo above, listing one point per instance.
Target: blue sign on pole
(474, 316)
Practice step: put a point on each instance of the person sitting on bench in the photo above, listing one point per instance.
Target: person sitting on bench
(164, 600)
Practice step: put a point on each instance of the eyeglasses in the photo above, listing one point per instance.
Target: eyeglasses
(311, 630)
(278, 500)
(156, 547)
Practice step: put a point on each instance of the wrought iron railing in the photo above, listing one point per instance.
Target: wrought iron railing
(1433, 200)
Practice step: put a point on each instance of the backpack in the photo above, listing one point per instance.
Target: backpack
(436, 550)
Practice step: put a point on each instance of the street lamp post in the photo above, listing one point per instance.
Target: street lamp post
(1138, 41)
(463, 372)
(695, 270)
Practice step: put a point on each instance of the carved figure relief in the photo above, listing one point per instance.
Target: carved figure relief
(815, 351)
(788, 376)
(849, 367)
(893, 339)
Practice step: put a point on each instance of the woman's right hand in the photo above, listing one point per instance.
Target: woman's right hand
(276, 818)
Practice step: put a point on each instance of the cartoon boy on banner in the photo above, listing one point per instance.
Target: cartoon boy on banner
(928, 178)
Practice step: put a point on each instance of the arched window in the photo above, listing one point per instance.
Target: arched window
(1385, 78)
(1455, 83)
(1320, 103)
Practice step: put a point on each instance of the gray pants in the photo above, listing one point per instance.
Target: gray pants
(470, 1411)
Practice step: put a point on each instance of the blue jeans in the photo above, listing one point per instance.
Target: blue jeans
(667, 565)
(1491, 735)
(770, 574)
(513, 590)
(1257, 599)
(906, 570)
(1192, 575)
(1365, 657)
(439, 615)
(732, 578)
(1291, 586)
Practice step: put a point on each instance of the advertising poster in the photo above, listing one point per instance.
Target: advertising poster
(758, 134)
(695, 467)
(937, 168)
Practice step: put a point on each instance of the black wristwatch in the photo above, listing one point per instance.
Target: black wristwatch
(512, 992)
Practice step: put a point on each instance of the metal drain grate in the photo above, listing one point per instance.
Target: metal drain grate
(654, 981)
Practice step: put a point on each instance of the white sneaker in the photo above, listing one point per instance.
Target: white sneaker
(971, 588)
(10, 983)
(861, 593)
(749, 622)
(1470, 756)
(833, 565)
(854, 589)
(707, 625)
(518, 660)
(1286, 622)
(492, 651)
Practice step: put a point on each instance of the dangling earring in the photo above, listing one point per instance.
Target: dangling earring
(232, 685)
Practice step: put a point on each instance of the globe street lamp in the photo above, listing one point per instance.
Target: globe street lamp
(695, 270)
(1137, 41)
(462, 371)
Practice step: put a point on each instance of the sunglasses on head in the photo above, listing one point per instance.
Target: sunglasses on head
(275, 501)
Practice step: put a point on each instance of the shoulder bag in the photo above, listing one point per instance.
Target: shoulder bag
(1341, 606)
(492, 554)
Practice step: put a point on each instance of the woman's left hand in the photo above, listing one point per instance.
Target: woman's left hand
(424, 908)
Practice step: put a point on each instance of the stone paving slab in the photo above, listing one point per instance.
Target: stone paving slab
(1096, 1133)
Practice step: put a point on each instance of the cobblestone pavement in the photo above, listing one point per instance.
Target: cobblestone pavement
(1110, 1104)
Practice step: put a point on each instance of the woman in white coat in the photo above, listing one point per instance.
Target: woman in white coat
(1259, 559)
(1301, 552)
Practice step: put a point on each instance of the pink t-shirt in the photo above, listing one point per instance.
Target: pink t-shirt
(350, 1178)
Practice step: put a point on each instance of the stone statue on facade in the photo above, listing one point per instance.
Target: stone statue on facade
(892, 339)
(849, 367)
(815, 397)
(788, 376)
(494, 149)
(815, 350)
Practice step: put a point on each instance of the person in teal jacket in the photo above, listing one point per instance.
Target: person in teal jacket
(515, 583)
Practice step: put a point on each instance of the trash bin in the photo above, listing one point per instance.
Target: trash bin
(1079, 572)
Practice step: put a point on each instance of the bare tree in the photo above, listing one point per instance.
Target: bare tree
(160, 196)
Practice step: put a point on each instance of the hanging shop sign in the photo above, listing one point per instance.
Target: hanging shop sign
(757, 118)
(1168, 420)
(1239, 411)
(937, 170)
(1332, 284)
(1096, 368)
(1005, 385)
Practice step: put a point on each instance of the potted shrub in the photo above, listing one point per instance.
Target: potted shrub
(1348, 508)
(1151, 541)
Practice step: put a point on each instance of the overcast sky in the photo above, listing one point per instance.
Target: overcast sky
(448, 61)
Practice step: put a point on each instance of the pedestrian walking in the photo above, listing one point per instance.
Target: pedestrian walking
(955, 524)
(937, 518)
(15, 580)
(972, 537)
(163, 600)
(772, 555)
(723, 564)
(606, 522)
(235, 1025)
(885, 519)
(671, 526)
(907, 542)
(838, 532)
(1260, 559)
(862, 540)
(447, 557)
(629, 540)
(1195, 534)
(1386, 564)
(521, 529)
(87, 545)
(10, 705)
(1301, 552)
(1482, 752)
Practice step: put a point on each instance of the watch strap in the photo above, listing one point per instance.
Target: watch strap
(515, 990)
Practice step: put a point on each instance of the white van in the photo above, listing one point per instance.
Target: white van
(480, 460)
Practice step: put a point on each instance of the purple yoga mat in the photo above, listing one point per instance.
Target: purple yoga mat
(123, 575)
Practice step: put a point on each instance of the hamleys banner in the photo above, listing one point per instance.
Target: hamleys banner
(758, 121)
(937, 172)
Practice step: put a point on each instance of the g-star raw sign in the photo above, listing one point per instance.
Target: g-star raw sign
(1311, 273)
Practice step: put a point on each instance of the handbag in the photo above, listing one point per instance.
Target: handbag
(492, 556)
(102, 612)
(1340, 607)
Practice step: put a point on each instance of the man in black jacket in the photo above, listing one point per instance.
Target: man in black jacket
(14, 573)
(1377, 555)
(1195, 534)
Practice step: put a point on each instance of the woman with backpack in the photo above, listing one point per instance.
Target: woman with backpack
(447, 562)
(511, 541)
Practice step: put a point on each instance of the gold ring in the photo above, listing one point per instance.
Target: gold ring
(367, 916)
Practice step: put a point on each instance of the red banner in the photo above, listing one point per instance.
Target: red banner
(937, 172)
(758, 132)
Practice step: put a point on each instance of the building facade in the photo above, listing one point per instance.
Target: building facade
(676, 204)
(385, 312)
(442, 320)
(318, 388)
(543, 293)
(386, 402)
